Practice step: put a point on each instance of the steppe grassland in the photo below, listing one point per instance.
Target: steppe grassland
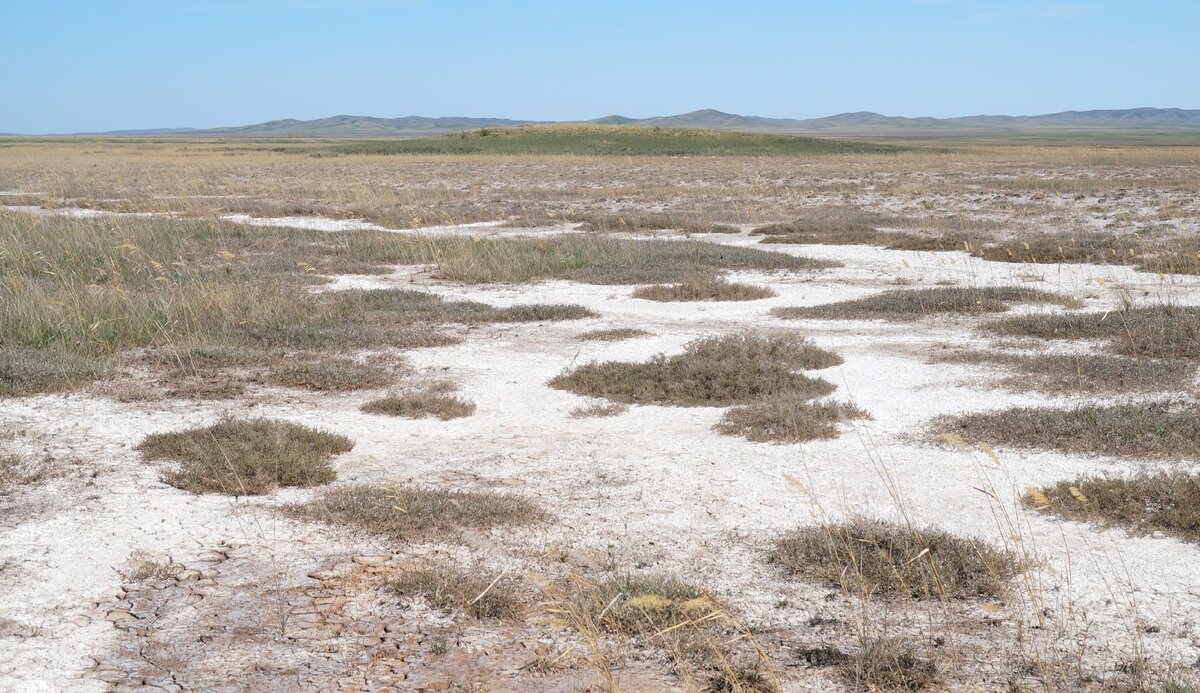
(248, 318)
(1018, 188)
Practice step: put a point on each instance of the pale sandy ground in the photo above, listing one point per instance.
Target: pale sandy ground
(655, 488)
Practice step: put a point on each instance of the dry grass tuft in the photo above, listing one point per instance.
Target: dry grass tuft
(1092, 373)
(636, 604)
(787, 418)
(1159, 331)
(1145, 503)
(410, 513)
(434, 401)
(442, 587)
(703, 290)
(700, 634)
(246, 457)
(331, 375)
(599, 410)
(1164, 429)
(615, 334)
(143, 566)
(866, 556)
(11, 471)
(889, 664)
(752, 678)
(914, 304)
(714, 371)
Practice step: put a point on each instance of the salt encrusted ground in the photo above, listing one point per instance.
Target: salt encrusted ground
(268, 602)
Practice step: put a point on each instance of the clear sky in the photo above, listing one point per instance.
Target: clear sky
(117, 64)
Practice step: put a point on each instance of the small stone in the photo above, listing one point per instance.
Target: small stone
(119, 615)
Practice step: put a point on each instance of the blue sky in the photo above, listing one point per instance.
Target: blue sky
(92, 65)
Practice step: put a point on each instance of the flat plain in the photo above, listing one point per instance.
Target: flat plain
(657, 411)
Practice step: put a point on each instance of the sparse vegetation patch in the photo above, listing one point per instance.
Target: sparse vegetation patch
(29, 371)
(703, 290)
(410, 307)
(715, 371)
(246, 457)
(866, 556)
(410, 513)
(1164, 429)
(914, 304)
(1144, 503)
(331, 375)
(605, 260)
(634, 222)
(1076, 247)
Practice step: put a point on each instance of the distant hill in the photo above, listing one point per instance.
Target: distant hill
(866, 123)
(354, 126)
(859, 124)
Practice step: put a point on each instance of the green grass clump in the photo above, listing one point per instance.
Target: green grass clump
(715, 371)
(703, 290)
(610, 140)
(1159, 331)
(1144, 503)
(409, 513)
(452, 590)
(28, 371)
(865, 556)
(1135, 429)
(914, 304)
(1091, 373)
(246, 457)
(787, 418)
